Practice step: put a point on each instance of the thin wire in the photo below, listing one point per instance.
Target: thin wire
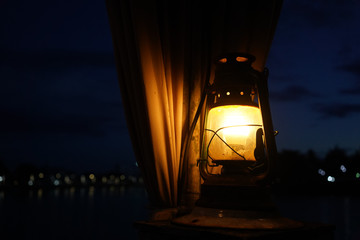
(215, 133)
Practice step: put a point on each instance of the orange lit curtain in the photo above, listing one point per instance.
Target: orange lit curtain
(164, 52)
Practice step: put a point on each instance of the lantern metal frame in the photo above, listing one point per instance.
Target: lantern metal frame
(234, 74)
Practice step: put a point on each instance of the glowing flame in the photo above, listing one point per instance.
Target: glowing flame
(237, 126)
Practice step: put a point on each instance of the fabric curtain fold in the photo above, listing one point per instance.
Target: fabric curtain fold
(164, 52)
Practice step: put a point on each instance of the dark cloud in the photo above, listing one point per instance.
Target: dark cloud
(292, 93)
(40, 122)
(14, 122)
(351, 91)
(277, 76)
(353, 68)
(59, 92)
(56, 60)
(80, 26)
(347, 51)
(319, 13)
(89, 113)
(337, 110)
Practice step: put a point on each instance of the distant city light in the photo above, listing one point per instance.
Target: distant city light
(357, 175)
(92, 178)
(321, 172)
(117, 180)
(63, 179)
(72, 191)
(91, 192)
(132, 179)
(104, 179)
(39, 193)
(30, 183)
(331, 179)
(67, 180)
(83, 179)
(343, 168)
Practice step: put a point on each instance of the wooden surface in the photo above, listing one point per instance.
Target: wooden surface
(158, 230)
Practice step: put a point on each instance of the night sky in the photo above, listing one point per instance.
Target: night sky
(60, 102)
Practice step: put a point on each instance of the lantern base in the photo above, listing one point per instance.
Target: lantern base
(237, 203)
(238, 193)
(236, 219)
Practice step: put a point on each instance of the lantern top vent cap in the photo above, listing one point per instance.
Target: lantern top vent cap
(235, 58)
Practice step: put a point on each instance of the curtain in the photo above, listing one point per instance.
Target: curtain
(164, 53)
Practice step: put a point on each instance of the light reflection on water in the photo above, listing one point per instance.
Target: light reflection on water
(341, 211)
(72, 213)
(108, 213)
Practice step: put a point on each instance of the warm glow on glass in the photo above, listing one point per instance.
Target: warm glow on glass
(241, 59)
(235, 129)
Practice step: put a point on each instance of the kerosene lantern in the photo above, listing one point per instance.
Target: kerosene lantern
(238, 151)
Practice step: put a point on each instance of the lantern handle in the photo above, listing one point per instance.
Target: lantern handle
(269, 136)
